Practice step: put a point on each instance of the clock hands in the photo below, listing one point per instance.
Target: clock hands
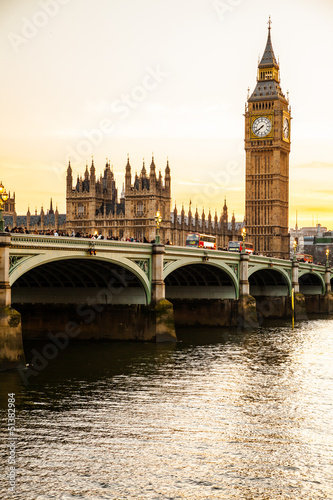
(257, 130)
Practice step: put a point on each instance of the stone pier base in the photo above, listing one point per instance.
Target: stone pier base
(164, 321)
(247, 312)
(216, 312)
(319, 304)
(301, 311)
(11, 345)
(154, 323)
(329, 302)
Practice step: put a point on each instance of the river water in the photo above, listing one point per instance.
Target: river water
(219, 415)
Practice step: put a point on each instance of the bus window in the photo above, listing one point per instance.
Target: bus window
(192, 240)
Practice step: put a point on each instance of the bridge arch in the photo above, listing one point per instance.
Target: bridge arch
(97, 278)
(311, 283)
(186, 278)
(266, 281)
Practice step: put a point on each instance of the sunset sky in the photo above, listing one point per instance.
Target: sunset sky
(114, 77)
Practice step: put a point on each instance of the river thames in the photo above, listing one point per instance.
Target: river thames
(221, 414)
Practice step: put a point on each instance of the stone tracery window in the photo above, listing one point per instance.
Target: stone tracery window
(140, 208)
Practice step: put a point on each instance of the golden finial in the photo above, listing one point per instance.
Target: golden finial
(269, 22)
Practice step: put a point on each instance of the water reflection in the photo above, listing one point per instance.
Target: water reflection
(221, 414)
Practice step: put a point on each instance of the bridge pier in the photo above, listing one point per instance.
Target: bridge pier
(295, 282)
(247, 307)
(162, 309)
(328, 287)
(244, 285)
(11, 344)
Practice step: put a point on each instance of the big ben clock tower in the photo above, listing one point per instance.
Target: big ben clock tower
(267, 146)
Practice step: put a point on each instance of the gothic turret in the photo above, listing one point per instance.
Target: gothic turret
(175, 213)
(92, 175)
(144, 184)
(69, 179)
(182, 214)
(28, 218)
(152, 174)
(203, 220)
(128, 176)
(51, 211)
(167, 177)
(190, 215)
(42, 217)
(209, 222)
(225, 212)
(56, 218)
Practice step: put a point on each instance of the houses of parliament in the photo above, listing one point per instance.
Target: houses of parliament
(94, 205)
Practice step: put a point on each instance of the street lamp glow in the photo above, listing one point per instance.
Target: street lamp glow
(3, 199)
(158, 220)
(243, 236)
(294, 247)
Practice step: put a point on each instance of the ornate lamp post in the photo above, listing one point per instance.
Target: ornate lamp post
(327, 257)
(158, 220)
(295, 247)
(3, 199)
(243, 236)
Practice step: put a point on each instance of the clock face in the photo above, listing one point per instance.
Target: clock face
(286, 128)
(261, 126)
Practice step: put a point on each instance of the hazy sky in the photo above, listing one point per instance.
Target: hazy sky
(114, 77)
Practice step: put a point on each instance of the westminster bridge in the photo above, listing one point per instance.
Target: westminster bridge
(125, 290)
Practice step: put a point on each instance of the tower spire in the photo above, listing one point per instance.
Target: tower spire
(268, 59)
(268, 77)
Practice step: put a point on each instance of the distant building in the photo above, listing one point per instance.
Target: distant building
(37, 222)
(305, 236)
(313, 241)
(9, 206)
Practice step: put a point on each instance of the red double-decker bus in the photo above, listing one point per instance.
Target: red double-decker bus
(303, 257)
(237, 246)
(198, 240)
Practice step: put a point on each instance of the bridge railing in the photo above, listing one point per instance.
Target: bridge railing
(36, 240)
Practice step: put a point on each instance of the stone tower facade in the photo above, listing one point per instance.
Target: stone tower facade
(267, 146)
(92, 204)
(90, 198)
(147, 195)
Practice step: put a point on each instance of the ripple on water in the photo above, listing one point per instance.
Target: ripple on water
(223, 416)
